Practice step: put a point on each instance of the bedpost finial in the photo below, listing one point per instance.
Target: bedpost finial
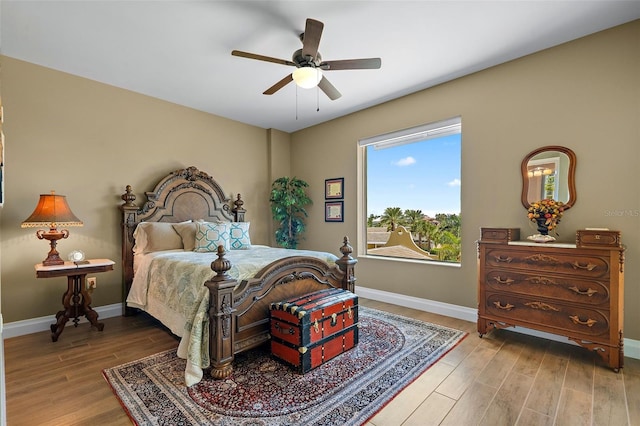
(238, 211)
(221, 265)
(238, 203)
(346, 248)
(128, 197)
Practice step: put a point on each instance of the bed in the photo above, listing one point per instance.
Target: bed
(228, 290)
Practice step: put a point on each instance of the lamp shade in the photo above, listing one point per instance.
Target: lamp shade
(52, 211)
(307, 77)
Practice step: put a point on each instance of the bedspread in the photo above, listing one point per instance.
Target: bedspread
(169, 285)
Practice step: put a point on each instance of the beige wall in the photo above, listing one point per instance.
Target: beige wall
(87, 140)
(584, 95)
(279, 165)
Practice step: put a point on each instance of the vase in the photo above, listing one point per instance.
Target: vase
(542, 228)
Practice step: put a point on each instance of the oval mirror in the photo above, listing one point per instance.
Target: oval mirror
(549, 172)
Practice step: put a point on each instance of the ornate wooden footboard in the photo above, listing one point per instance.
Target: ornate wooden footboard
(238, 312)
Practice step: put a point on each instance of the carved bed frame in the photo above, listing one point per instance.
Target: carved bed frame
(238, 312)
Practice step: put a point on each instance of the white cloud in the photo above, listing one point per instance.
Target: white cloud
(455, 182)
(405, 162)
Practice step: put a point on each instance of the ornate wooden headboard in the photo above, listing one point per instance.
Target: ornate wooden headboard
(185, 194)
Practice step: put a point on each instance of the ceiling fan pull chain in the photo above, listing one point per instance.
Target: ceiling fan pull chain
(317, 99)
(296, 103)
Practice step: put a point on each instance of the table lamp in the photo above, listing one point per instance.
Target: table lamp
(52, 211)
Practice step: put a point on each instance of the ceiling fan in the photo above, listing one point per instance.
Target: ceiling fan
(309, 64)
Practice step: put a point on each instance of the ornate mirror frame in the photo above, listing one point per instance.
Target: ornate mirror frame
(571, 180)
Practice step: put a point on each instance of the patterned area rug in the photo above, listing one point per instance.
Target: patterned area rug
(393, 351)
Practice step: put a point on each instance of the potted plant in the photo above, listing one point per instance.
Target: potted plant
(288, 199)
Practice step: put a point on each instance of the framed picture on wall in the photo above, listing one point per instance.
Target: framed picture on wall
(334, 188)
(334, 211)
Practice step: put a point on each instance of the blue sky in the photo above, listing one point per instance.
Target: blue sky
(419, 176)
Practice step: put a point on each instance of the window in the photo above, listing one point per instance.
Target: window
(411, 193)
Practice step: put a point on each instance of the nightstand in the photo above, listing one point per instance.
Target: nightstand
(76, 300)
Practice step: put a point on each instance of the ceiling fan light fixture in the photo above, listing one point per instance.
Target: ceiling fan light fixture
(307, 77)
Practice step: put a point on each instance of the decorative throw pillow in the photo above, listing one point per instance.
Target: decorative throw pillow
(210, 235)
(239, 236)
(156, 236)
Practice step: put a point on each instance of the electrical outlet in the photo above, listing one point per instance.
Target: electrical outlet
(92, 283)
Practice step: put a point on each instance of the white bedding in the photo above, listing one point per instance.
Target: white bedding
(170, 286)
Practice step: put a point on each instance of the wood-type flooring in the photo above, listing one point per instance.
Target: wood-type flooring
(504, 378)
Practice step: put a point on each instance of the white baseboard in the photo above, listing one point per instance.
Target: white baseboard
(631, 347)
(35, 325)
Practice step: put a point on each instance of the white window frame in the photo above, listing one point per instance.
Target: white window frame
(437, 129)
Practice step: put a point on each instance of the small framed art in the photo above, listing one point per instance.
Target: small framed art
(334, 188)
(334, 211)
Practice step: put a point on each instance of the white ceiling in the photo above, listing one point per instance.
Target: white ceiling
(180, 50)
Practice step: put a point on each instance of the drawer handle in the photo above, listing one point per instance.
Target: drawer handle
(588, 323)
(349, 313)
(588, 292)
(505, 259)
(542, 258)
(315, 327)
(541, 306)
(281, 330)
(506, 307)
(507, 281)
(585, 266)
(542, 280)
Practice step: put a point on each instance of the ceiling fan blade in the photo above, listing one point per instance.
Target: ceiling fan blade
(311, 39)
(279, 85)
(352, 64)
(329, 89)
(261, 58)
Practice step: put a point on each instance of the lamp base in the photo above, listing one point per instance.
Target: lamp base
(53, 235)
(53, 259)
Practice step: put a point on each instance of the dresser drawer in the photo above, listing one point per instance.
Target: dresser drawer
(562, 288)
(591, 266)
(549, 315)
(598, 238)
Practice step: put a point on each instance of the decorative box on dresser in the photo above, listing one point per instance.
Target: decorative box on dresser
(573, 290)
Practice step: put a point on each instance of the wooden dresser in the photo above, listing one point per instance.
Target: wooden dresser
(577, 292)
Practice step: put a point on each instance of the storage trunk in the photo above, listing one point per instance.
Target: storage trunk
(309, 330)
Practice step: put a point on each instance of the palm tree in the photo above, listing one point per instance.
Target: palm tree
(448, 246)
(425, 230)
(449, 222)
(391, 218)
(413, 216)
(371, 219)
(416, 222)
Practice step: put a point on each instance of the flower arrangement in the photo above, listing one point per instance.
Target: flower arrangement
(546, 213)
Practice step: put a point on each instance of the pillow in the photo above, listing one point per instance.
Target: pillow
(156, 236)
(239, 236)
(187, 232)
(210, 235)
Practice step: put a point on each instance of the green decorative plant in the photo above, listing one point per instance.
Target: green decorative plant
(288, 199)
